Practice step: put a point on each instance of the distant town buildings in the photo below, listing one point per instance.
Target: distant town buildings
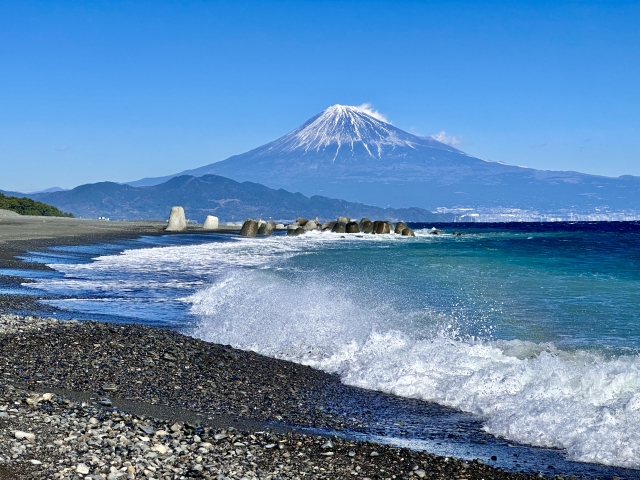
(518, 215)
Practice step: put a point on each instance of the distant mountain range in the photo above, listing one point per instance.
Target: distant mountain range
(213, 195)
(345, 153)
(52, 189)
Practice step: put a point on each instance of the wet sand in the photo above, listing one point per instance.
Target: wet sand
(19, 233)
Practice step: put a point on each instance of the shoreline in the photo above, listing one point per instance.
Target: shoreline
(247, 410)
(71, 383)
(20, 234)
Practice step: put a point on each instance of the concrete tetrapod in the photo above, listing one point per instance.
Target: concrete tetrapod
(327, 226)
(339, 227)
(366, 226)
(352, 227)
(177, 220)
(266, 229)
(400, 226)
(210, 223)
(249, 228)
(381, 227)
(310, 225)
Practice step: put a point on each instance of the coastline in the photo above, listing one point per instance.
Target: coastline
(94, 395)
(20, 234)
(248, 392)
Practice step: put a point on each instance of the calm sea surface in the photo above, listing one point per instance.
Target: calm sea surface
(532, 328)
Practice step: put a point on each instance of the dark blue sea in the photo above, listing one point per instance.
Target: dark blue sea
(532, 329)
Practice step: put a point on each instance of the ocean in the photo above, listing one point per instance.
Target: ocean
(533, 330)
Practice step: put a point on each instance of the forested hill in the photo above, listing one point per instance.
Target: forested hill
(27, 206)
(215, 195)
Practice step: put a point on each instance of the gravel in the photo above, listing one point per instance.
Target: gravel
(175, 408)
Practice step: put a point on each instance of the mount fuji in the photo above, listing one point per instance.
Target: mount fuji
(344, 152)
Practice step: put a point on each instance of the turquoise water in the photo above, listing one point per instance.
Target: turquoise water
(533, 328)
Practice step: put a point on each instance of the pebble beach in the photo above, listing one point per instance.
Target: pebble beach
(84, 400)
(90, 400)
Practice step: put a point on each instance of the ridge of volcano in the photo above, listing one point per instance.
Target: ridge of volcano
(345, 152)
(346, 128)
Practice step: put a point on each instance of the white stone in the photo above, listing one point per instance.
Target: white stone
(177, 220)
(82, 469)
(210, 223)
(159, 448)
(24, 435)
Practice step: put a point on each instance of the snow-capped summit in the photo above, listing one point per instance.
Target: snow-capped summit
(343, 126)
(348, 130)
(340, 137)
(346, 152)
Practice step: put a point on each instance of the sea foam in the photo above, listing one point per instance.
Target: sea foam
(527, 392)
(249, 296)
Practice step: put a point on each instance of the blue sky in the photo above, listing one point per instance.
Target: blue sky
(94, 91)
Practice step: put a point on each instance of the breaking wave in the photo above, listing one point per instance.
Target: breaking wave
(296, 299)
(527, 392)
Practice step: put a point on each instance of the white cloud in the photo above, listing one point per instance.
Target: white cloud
(368, 109)
(63, 149)
(447, 139)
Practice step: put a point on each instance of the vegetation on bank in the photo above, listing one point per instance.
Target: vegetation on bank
(26, 206)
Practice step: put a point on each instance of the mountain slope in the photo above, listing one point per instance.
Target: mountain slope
(344, 152)
(213, 195)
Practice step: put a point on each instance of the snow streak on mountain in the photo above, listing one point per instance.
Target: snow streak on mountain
(342, 126)
(346, 153)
